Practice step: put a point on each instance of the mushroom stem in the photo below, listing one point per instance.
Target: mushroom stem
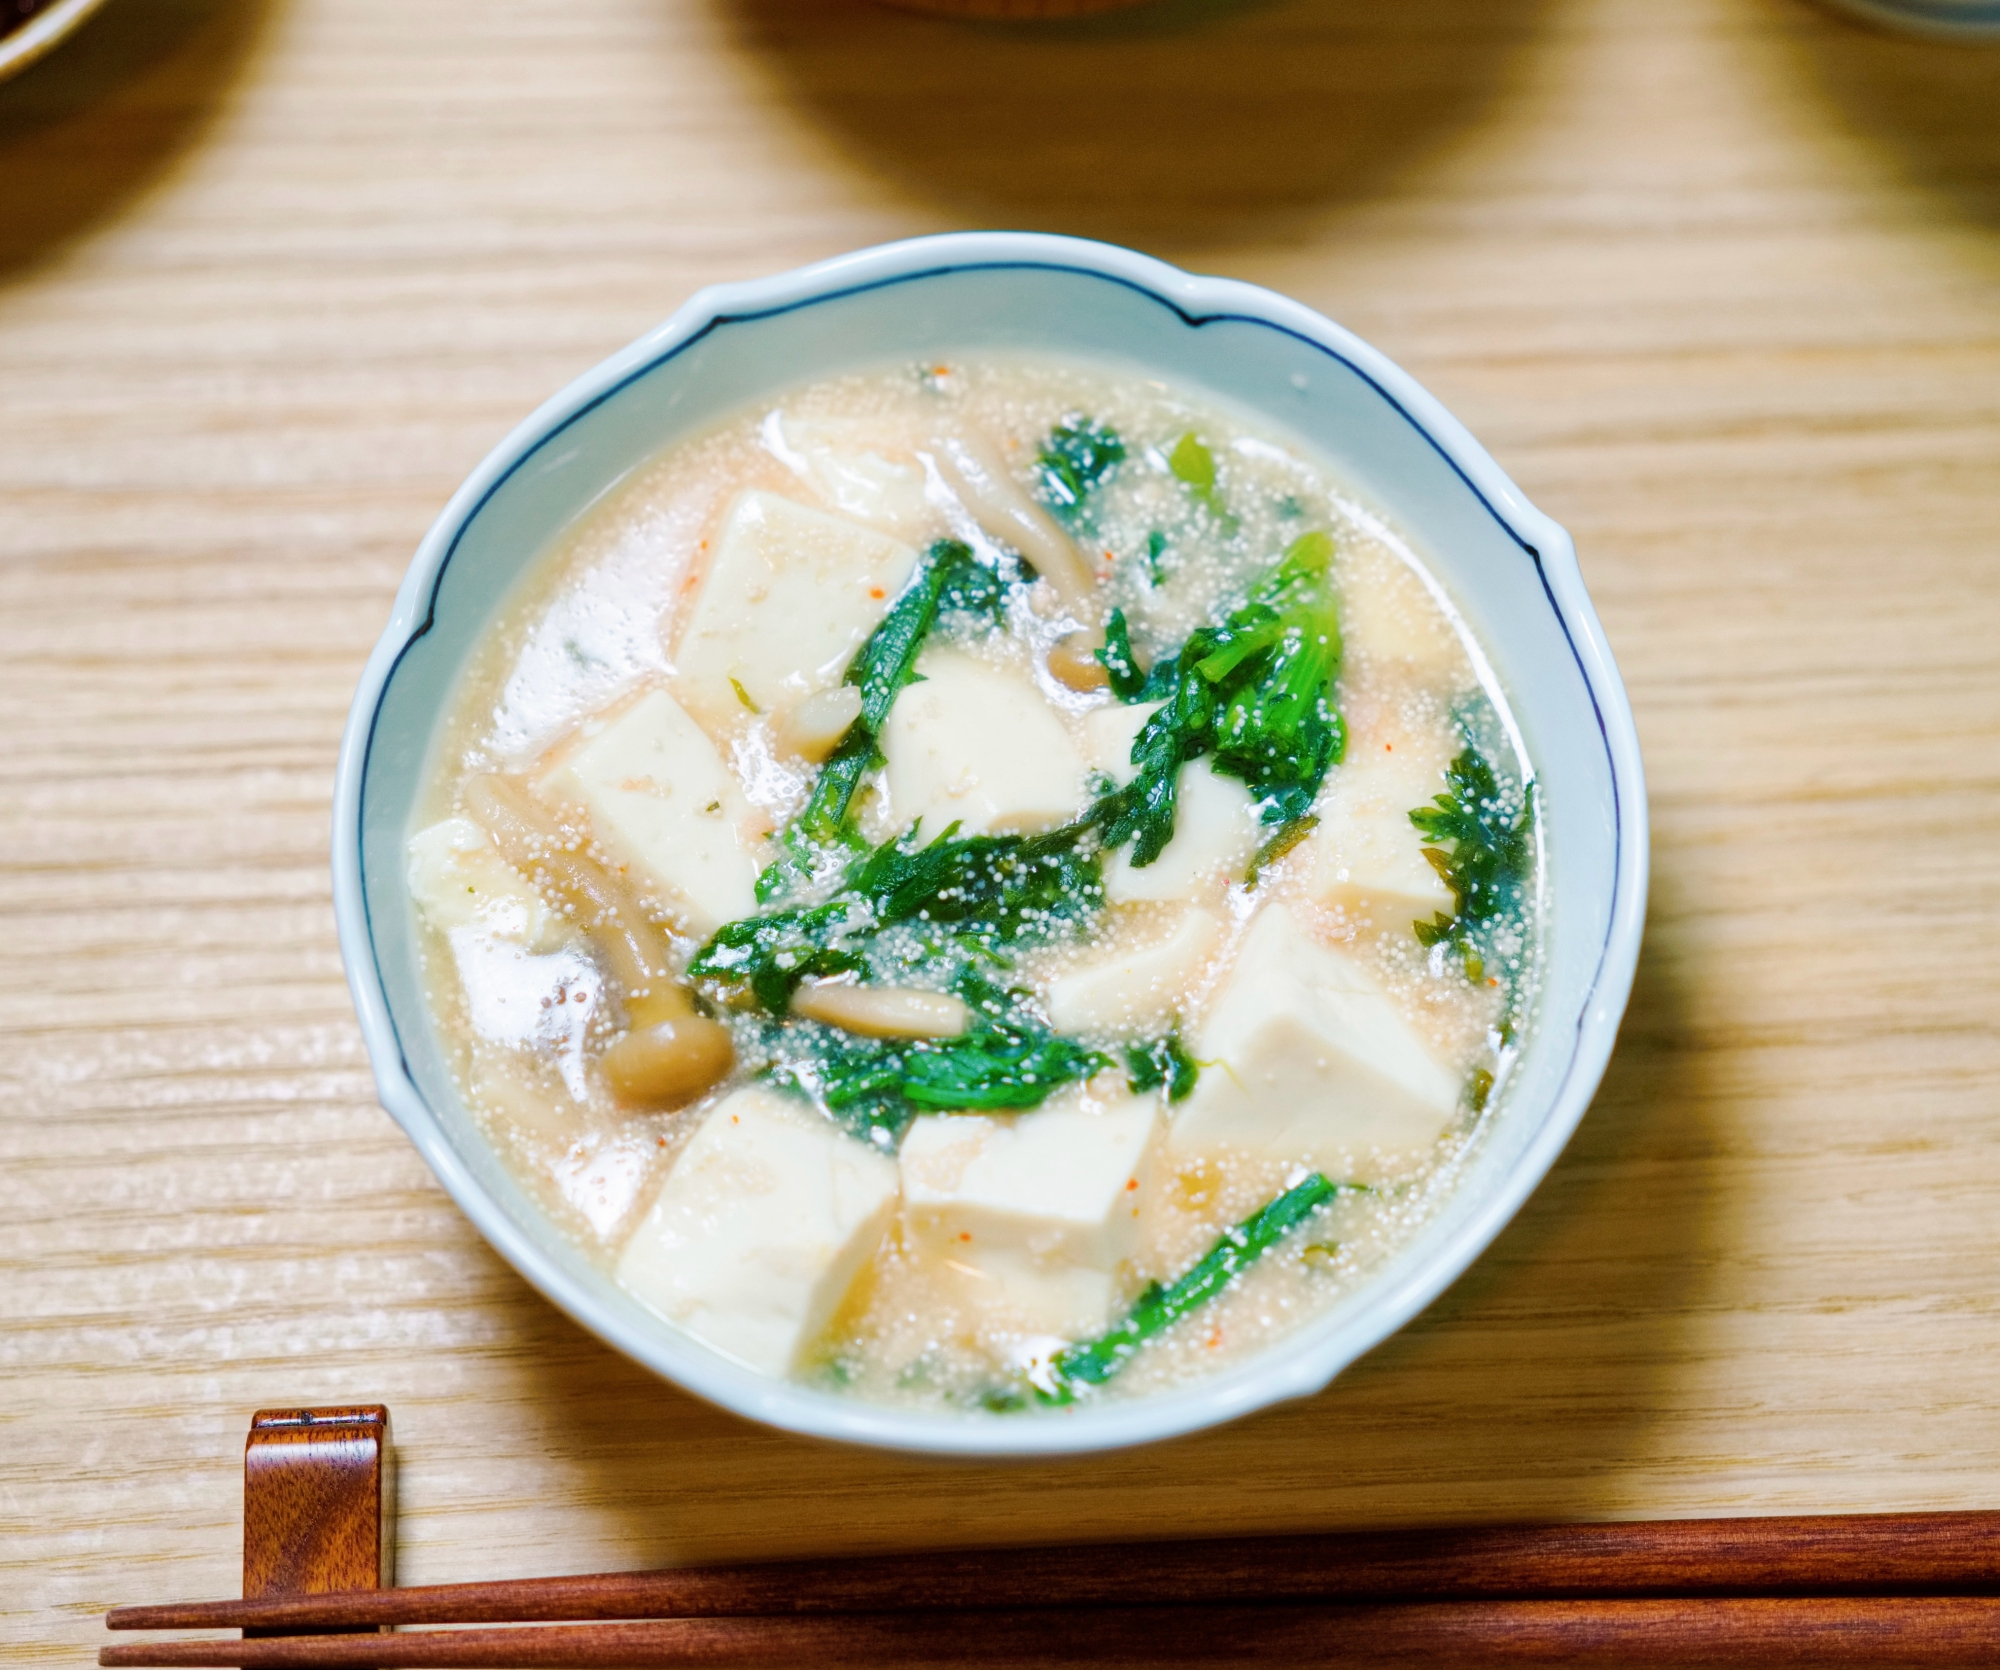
(883, 1011)
(974, 471)
(671, 1052)
(1073, 661)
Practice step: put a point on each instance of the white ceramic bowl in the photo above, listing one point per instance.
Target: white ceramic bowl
(1511, 569)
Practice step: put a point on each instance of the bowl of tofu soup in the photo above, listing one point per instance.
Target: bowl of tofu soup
(990, 847)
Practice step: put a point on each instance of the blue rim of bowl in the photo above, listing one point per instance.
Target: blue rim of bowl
(1230, 1393)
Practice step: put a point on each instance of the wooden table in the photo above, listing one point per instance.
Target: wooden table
(1717, 280)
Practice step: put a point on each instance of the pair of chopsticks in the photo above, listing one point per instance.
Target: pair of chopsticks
(1873, 1590)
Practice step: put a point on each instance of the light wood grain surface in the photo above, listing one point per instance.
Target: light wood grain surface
(1717, 280)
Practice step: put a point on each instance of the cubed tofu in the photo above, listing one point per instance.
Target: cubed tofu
(1108, 734)
(788, 597)
(1305, 1058)
(1366, 857)
(760, 1229)
(850, 466)
(1138, 985)
(1033, 1213)
(978, 745)
(458, 880)
(1216, 833)
(1387, 613)
(663, 803)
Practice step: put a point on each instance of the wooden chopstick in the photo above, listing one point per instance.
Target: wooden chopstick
(1785, 1633)
(1878, 1554)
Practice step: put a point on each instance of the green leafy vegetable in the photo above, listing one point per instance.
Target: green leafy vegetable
(1282, 840)
(1127, 681)
(1142, 812)
(969, 896)
(1276, 666)
(983, 891)
(1256, 692)
(997, 888)
(1075, 459)
(1162, 1061)
(1156, 558)
(950, 576)
(1482, 851)
(1092, 1362)
(971, 588)
(1007, 1060)
(771, 955)
(1194, 464)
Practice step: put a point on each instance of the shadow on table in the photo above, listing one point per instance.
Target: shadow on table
(1930, 108)
(1535, 1388)
(109, 113)
(1176, 125)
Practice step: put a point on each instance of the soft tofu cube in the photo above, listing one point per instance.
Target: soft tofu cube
(1216, 834)
(661, 800)
(1366, 857)
(459, 880)
(762, 1226)
(789, 596)
(850, 467)
(1137, 985)
(1216, 830)
(522, 985)
(1108, 734)
(1311, 1062)
(1033, 1213)
(978, 745)
(1386, 613)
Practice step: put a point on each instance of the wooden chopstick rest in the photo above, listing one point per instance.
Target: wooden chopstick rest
(318, 1503)
(319, 1507)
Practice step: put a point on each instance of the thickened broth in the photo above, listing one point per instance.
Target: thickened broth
(987, 885)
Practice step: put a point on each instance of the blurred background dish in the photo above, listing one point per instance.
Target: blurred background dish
(28, 28)
(1013, 11)
(1956, 20)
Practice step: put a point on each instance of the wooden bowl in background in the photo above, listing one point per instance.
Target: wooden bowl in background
(1012, 11)
(21, 45)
